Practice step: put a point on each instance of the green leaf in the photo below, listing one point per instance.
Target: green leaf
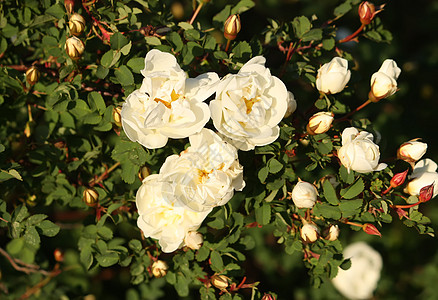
(86, 257)
(20, 213)
(242, 6)
(135, 245)
(263, 214)
(56, 10)
(350, 207)
(136, 64)
(48, 228)
(152, 40)
(110, 58)
(242, 50)
(354, 190)
(182, 285)
(104, 232)
(102, 72)
(124, 75)
(14, 246)
(131, 156)
(202, 254)
(312, 35)
(108, 259)
(330, 193)
(301, 25)
(347, 177)
(175, 39)
(35, 219)
(327, 211)
(96, 102)
(274, 166)
(31, 237)
(118, 40)
(342, 9)
(217, 263)
(328, 44)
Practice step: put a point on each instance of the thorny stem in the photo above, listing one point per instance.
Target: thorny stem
(198, 9)
(353, 111)
(104, 175)
(353, 35)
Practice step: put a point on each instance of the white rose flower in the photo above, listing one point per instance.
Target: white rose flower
(249, 105)
(332, 77)
(358, 151)
(162, 217)
(194, 240)
(384, 81)
(206, 174)
(168, 104)
(309, 232)
(333, 233)
(304, 195)
(360, 280)
(412, 150)
(424, 174)
(320, 123)
(291, 104)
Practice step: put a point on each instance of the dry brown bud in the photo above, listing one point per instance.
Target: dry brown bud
(143, 173)
(69, 6)
(117, 116)
(32, 75)
(90, 197)
(159, 268)
(76, 24)
(74, 47)
(219, 281)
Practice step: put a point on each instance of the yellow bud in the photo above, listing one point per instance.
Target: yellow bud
(232, 27)
(320, 123)
(309, 232)
(69, 6)
(90, 197)
(219, 281)
(143, 173)
(76, 24)
(159, 268)
(32, 75)
(177, 10)
(74, 47)
(117, 116)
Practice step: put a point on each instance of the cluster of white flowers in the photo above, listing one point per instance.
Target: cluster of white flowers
(246, 112)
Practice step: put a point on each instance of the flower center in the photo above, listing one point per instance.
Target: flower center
(203, 176)
(173, 97)
(249, 103)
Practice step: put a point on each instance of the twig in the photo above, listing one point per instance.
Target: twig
(196, 13)
(353, 35)
(104, 175)
(27, 270)
(353, 111)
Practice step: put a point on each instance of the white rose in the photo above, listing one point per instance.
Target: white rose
(332, 77)
(206, 174)
(358, 152)
(384, 81)
(424, 174)
(304, 195)
(333, 233)
(309, 232)
(162, 217)
(194, 240)
(249, 105)
(168, 104)
(291, 104)
(320, 123)
(412, 150)
(360, 280)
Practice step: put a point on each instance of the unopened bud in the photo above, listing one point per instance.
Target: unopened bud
(31, 200)
(333, 233)
(194, 240)
(58, 255)
(304, 195)
(74, 47)
(76, 24)
(69, 6)
(426, 193)
(159, 268)
(268, 297)
(320, 123)
(219, 281)
(32, 75)
(117, 116)
(28, 129)
(232, 27)
(371, 229)
(411, 151)
(177, 10)
(90, 197)
(398, 179)
(309, 232)
(291, 104)
(143, 173)
(367, 11)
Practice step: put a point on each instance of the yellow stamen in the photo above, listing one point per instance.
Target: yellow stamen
(249, 103)
(173, 97)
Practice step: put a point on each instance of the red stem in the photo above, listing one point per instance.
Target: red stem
(353, 35)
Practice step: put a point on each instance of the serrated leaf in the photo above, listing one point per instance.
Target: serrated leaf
(31, 237)
(96, 102)
(312, 35)
(136, 64)
(330, 193)
(263, 214)
(35, 219)
(14, 246)
(242, 50)
(274, 166)
(86, 257)
(354, 190)
(135, 245)
(347, 177)
(118, 40)
(108, 259)
(48, 228)
(350, 207)
(217, 264)
(327, 211)
(202, 254)
(242, 6)
(104, 232)
(301, 25)
(124, 75)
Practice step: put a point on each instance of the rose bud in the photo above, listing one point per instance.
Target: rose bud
(76, 24)
(58, 255)
(384, 81)
(232, 27)
(159, 268)
(371, 229)
(74, 47)
(333, 233)
(304, 195)
(90, 197)
(411, 151)
(291, 104)
(177, 10)
(426, 193)
(320, 123)
(219, 281)
(69, 6)
(332, 77)
(117, 116)
(367, 11)
(309, 233)
(194, 240)
(268, 297)
(143, 173)
(398, 179)
(32, 75)
(424, 174)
